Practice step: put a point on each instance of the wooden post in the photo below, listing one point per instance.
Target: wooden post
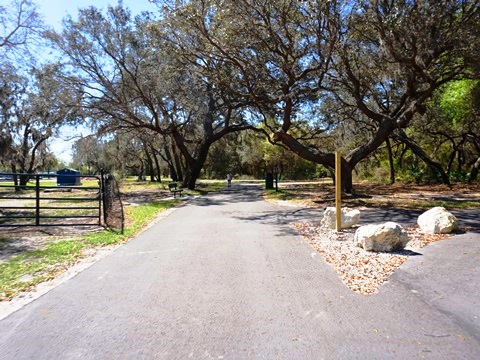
(37, 199)
(338, 190)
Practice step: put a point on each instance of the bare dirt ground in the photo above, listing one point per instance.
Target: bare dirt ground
(144, 196)
(17, 240)
(367, 194)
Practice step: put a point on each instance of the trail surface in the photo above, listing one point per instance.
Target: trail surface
(225, 277)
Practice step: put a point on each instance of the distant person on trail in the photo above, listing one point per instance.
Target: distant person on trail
(229, 179)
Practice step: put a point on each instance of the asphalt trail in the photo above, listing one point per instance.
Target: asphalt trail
(226, 277)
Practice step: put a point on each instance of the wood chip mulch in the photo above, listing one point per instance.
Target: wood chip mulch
(362, 271)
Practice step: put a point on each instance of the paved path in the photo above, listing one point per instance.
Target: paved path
(466, 217)
(224, 277)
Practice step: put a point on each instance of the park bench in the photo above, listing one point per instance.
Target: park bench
(173, 187)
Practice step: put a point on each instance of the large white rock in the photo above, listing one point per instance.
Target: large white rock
(349, 217)
(437, 220)
(386, 237)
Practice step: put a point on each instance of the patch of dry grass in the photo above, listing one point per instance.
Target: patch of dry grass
(409, 196)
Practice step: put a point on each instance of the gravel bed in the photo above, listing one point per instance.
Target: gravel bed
(362, 271)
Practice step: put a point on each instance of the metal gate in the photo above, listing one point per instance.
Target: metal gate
(41, 202)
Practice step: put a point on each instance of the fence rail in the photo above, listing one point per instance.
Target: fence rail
(12, 196)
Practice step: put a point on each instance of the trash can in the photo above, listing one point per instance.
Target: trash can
(269, 181)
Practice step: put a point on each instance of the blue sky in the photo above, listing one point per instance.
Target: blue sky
(53, 12)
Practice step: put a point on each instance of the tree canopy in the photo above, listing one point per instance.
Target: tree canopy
(311, 76)
(374, 63)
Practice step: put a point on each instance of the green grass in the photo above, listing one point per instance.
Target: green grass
(33, 267)
(23, 272)
(139, 217)
(90, 182)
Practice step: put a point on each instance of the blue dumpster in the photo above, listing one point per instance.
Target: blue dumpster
(70, 177)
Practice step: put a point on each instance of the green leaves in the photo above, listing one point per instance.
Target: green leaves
(455, 101)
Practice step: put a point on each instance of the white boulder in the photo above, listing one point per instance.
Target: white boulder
(385, 237)
(437, 220)
(349, 217)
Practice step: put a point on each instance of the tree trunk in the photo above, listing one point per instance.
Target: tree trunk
(15, 177)
(169, 161)
(178, 164)
(390, 161)
(474, 171)
(157, 165)
(347, 179)
(402, 154)
(141, 171)
(417, 150)
(194, 167)
(23, 181)
(325, 159)
(149, 164)
(451, 159)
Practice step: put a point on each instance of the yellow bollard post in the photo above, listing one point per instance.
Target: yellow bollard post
(338, 190)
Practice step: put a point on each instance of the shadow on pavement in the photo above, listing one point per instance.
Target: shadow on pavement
(238, 193)
(242, 192)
